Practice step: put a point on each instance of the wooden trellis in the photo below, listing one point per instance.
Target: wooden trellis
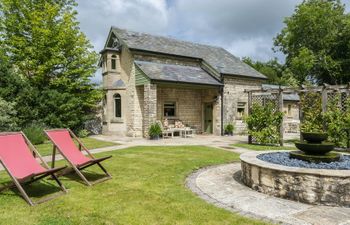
(262, 97)
(327, 93)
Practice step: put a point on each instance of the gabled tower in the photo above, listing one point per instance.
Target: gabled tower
(113, 117)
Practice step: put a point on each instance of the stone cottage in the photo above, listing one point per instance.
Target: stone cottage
(148, 78)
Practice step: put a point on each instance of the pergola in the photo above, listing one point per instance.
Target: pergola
(275, 95)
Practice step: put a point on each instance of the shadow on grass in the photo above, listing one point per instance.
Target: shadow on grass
(90, 176)
(36, 189)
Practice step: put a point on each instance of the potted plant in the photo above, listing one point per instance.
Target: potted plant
(229, 128)
(154, 131)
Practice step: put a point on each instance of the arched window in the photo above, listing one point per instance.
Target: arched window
(114, 62)
(117, 106)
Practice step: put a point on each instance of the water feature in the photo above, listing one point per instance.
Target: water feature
(314, 149)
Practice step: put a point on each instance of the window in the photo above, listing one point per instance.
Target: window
(114, 62)
(240, 110)
(117, 106)
(170, 109)
(104, 63)
(104, 104)
(289, 112)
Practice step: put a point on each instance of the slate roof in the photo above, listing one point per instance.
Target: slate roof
(286, 97)
(218, 58)
(176, 73)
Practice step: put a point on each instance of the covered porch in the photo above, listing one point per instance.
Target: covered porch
(178, 96)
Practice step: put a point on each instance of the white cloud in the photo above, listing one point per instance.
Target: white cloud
(97, 17)
(245, 28)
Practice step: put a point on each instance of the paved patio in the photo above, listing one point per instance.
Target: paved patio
(220, 185)
(207, 140)
(127, 142)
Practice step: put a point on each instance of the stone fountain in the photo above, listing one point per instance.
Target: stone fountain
(313, 175)
(314, 149)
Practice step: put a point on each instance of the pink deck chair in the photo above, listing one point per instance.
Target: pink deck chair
(17, 155)
(62, 140)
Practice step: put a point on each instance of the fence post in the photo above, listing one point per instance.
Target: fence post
(250, 98)
(280, 109)
(324, 103)
(301, 115)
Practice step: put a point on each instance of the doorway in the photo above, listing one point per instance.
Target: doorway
(208, 118)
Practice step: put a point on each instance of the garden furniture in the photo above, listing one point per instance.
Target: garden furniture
(166, 132)
(62, 140)
(17, 155)
(188, 132)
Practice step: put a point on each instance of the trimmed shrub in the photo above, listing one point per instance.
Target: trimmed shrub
(83, 133)
(35, 133)
(229, 128)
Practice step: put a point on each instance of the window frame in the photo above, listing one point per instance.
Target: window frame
(117, 113)
(241, 105)
(289, 110)
(114, 62)
(174, 107)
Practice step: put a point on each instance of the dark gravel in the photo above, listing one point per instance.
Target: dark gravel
(282, 158)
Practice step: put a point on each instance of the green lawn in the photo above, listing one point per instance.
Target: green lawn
(90, 143)
(256, 147)
(148, 187)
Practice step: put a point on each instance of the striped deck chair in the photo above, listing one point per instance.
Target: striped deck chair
(17, 156)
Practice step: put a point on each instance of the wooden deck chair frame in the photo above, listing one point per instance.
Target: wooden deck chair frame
(18, 183)
(76, 168)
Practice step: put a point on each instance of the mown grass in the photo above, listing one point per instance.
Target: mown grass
(257, 147)
(90, 143)
(148, 187)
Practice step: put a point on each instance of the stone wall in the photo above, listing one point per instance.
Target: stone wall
(234, 93)
(150, 107)
(189, 104)
(291, 122)
(139, 112)
(312, 186)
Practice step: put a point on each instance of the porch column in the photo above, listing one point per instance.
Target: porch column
(150, 107)
(217, 116)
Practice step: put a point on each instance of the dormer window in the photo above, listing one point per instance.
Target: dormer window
(114, 62)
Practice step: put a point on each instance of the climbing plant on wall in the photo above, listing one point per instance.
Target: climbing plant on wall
(264, 122)
(312, 118)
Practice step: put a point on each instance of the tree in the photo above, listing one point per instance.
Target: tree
(45, 46)
(7, 116)
(275, 72)
(315, 41)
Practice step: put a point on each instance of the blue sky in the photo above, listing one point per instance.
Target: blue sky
(243, 27)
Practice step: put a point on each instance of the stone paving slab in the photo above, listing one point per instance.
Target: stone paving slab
(221, 186)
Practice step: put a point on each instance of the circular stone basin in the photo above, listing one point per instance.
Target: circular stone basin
(315, 148)
(326, 158)
(314, 186)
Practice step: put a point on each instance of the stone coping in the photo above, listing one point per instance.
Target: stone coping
(220, 185)
(251, 158)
